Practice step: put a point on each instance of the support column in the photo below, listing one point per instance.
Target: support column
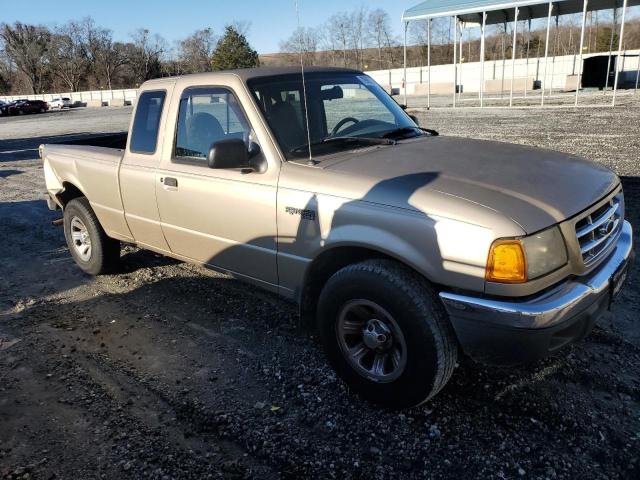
(455, 59)
(637, 74)
(584, 20)
(406, 25)
(429, 63)
(615, 81)
(613, 27)
(484, 25)
(546, 54)
(526, 75)
(504, 59)
(513, 53)
(556, 46)
(460, 62)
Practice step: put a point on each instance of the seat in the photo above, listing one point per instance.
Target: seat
(286, 125)
(203, 129)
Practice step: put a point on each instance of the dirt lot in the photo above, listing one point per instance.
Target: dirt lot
(171, 371)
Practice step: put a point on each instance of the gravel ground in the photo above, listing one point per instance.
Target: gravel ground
(171, 371)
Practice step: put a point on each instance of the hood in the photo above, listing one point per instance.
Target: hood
(533, 187)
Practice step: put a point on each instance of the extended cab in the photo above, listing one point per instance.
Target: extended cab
(405, 246)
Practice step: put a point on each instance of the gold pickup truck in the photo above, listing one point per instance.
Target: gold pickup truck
(404, 247)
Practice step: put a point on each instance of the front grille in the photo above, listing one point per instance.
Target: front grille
(599, 229)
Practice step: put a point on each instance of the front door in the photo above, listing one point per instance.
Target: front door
(223, 218)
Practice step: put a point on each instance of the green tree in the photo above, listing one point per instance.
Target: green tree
(233, 51)
(603, 41)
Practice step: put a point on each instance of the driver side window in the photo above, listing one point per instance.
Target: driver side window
(205, 116)
(357, 102)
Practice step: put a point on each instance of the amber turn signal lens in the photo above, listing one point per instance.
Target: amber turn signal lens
(506, 262)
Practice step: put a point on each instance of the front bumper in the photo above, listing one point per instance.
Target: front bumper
(511, 332)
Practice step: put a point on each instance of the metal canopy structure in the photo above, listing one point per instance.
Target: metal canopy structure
(504, 11)
(480, 13)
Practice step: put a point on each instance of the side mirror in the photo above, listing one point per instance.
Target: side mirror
(230, 153)
(233, 153)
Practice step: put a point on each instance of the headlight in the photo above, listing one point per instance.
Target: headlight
(519, 260)
(545, 252)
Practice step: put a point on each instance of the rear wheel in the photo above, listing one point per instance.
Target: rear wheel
(386, 334)
(93, 251)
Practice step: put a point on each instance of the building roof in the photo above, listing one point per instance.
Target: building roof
(499, 11)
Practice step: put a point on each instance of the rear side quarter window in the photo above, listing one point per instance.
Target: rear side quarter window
(144, 134)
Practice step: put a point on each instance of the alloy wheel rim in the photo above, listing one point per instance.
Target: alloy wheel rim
(371, 340)
(81, 239)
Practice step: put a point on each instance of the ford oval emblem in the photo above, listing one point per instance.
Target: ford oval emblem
(607, 228)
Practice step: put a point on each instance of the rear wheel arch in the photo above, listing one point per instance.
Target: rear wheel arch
(69, 193)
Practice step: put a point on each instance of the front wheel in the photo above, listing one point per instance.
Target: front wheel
(93, 251)
(386, 334)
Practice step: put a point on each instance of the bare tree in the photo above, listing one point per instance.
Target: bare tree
(107, 57)
(27, 46)
(328, 43)
(144, 55)
(195, 51)
(5, 72)
(69, 54)
(380, 34)
(303, 41)
(6, 69)
(357, 21)
(338, 27)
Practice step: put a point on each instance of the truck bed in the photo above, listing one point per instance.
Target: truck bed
(93, 170)
(111, 140)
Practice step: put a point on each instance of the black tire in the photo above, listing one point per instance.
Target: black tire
(431, 346)
(104, 251)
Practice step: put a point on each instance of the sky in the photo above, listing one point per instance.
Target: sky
(271, 20)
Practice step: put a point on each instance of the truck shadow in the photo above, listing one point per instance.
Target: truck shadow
(9, 172)
(133, 259)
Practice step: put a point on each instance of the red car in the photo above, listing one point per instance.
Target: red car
(20, 107)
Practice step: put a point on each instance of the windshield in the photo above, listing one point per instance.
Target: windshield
(349, 105)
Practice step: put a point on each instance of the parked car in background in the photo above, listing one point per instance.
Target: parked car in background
(20, 107)
(60, 103)
(3, 108)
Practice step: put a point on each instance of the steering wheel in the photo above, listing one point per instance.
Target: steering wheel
(341, 124)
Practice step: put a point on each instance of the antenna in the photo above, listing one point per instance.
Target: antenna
(304, 85)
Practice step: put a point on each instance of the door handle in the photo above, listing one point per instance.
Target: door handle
(170, 182)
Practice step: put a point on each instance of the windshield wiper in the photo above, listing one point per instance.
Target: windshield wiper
(404, 130)
(344, 140)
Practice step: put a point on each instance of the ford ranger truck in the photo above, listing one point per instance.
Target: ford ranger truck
(405, 247)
